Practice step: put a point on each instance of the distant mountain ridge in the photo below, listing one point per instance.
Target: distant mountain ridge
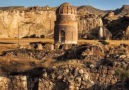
(90, 9)
(123, 10)
(12, 8)
(85, 8)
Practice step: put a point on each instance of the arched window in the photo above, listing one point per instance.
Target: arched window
(62, 36)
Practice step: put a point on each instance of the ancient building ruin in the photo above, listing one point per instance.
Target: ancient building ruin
(66, 30)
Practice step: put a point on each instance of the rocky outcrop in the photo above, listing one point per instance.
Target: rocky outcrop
(89, 26)
(89, 9)
(37, 22)
(118, 26)
(22, 24)
(123, 10)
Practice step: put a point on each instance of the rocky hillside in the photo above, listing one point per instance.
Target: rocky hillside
(38, 22)
(86, 8)
(26, 23)
(123, 10)
(12, 8)
(90, 9)
(117, 25)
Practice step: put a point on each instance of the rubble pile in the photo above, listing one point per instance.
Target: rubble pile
(72, 78)
(84, 67)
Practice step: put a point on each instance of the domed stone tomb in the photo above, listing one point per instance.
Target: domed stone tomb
(66, 30)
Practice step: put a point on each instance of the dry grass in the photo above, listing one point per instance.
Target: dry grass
(74, 63)
(8, 65)
(6, 47)
(114, 42)
(27, 40)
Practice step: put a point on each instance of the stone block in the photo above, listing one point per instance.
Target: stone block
(18, 82)
(4, 81)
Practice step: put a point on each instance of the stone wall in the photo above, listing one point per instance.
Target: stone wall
(66, 77)
(18, 82)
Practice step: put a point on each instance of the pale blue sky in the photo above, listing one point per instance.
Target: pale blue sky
(101, 4)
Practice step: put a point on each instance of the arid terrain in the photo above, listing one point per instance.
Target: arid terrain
(29, 59)
(37, 21)
(91, 65)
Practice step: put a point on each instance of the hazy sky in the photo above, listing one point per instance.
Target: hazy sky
(101, 4)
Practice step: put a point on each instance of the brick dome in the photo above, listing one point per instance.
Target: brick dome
(65, 8)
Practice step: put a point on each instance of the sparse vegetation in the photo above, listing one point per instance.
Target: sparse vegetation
(122, 74)
(104, 42)
(91, 64)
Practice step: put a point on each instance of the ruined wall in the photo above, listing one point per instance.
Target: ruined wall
(67, 77)
(102, 67)
(18, 82)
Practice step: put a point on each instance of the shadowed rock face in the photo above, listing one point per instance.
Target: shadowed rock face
(123, 10)
(118, 26)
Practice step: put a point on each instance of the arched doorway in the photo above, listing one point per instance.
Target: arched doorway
(62, 36)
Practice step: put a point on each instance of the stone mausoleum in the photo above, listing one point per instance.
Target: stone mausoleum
(66, 29)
